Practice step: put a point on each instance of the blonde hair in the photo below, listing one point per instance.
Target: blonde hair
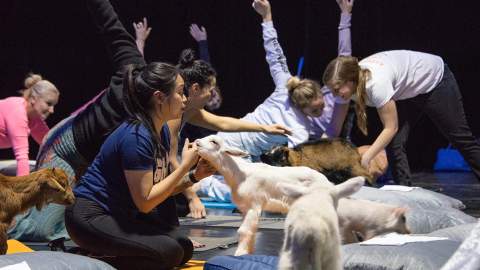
(345, 69)
(35, 85)
(302, 91)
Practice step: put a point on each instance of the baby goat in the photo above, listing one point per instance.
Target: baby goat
(336, 158)
(18, 194)
(255, 186)
(312, 238)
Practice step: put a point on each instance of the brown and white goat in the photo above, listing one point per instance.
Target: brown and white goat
(336, 158)
(19, 193)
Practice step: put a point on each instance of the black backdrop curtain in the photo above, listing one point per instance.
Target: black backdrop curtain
(57, 39)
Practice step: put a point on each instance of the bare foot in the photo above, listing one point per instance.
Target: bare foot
(197, 244)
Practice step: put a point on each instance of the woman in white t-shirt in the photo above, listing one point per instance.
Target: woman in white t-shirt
(402, 85)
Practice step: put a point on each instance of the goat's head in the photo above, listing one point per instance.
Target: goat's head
(344, 189)
(277, 156)
(213, 149)
(55, 187)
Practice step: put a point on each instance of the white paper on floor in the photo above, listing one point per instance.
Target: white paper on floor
(18, 266)
(397, 188)
(395, 239)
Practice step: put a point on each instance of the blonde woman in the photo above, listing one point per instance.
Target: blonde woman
(26, 115)
(402, 85)
(299, 104)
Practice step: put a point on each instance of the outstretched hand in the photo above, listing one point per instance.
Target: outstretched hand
(345, 5)
(197, 33)
(277, 129)
(263, 8)
(142, 30)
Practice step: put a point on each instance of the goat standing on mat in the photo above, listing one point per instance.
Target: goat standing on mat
(312, 237)
(19, 193)
(255, 186)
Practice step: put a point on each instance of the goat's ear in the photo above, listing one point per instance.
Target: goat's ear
(235, 152)
(349, 187)
(292, 190)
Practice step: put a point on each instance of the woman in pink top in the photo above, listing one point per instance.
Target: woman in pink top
(22, 116)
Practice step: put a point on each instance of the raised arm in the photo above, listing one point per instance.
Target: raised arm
(200, 35)
(119, 43)
(344, 33)
(142, 31)
(274, 53)
(340, 109)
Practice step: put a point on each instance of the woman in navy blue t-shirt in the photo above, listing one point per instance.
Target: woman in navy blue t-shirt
(124, 207)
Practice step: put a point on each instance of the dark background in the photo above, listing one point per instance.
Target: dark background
(57, 39)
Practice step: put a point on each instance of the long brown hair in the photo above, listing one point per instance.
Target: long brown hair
(345, 69)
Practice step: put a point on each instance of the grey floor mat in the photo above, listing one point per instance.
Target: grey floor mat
(232, 222)
(215, 242)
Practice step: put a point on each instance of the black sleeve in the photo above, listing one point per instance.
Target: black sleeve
(119, 43)
(92, 126)
(203, 50)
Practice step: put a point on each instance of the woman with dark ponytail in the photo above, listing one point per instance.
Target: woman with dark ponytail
(124, 206)
(74, 142)
(200, 81)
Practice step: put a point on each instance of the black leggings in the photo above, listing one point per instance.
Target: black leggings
(443, 105)
(132, 242)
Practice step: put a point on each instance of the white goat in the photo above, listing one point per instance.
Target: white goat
(312, 238)
(255, 186)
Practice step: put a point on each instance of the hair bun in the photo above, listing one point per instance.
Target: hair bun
(293, 83)
(32, 79)
(187, 57)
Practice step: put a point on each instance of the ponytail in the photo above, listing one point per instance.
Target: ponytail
(360, 105)
(194, 70)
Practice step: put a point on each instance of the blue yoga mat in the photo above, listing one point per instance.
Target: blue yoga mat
(210, 203)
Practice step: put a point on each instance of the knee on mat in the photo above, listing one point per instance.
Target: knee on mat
(178, 251)
(187, 246)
